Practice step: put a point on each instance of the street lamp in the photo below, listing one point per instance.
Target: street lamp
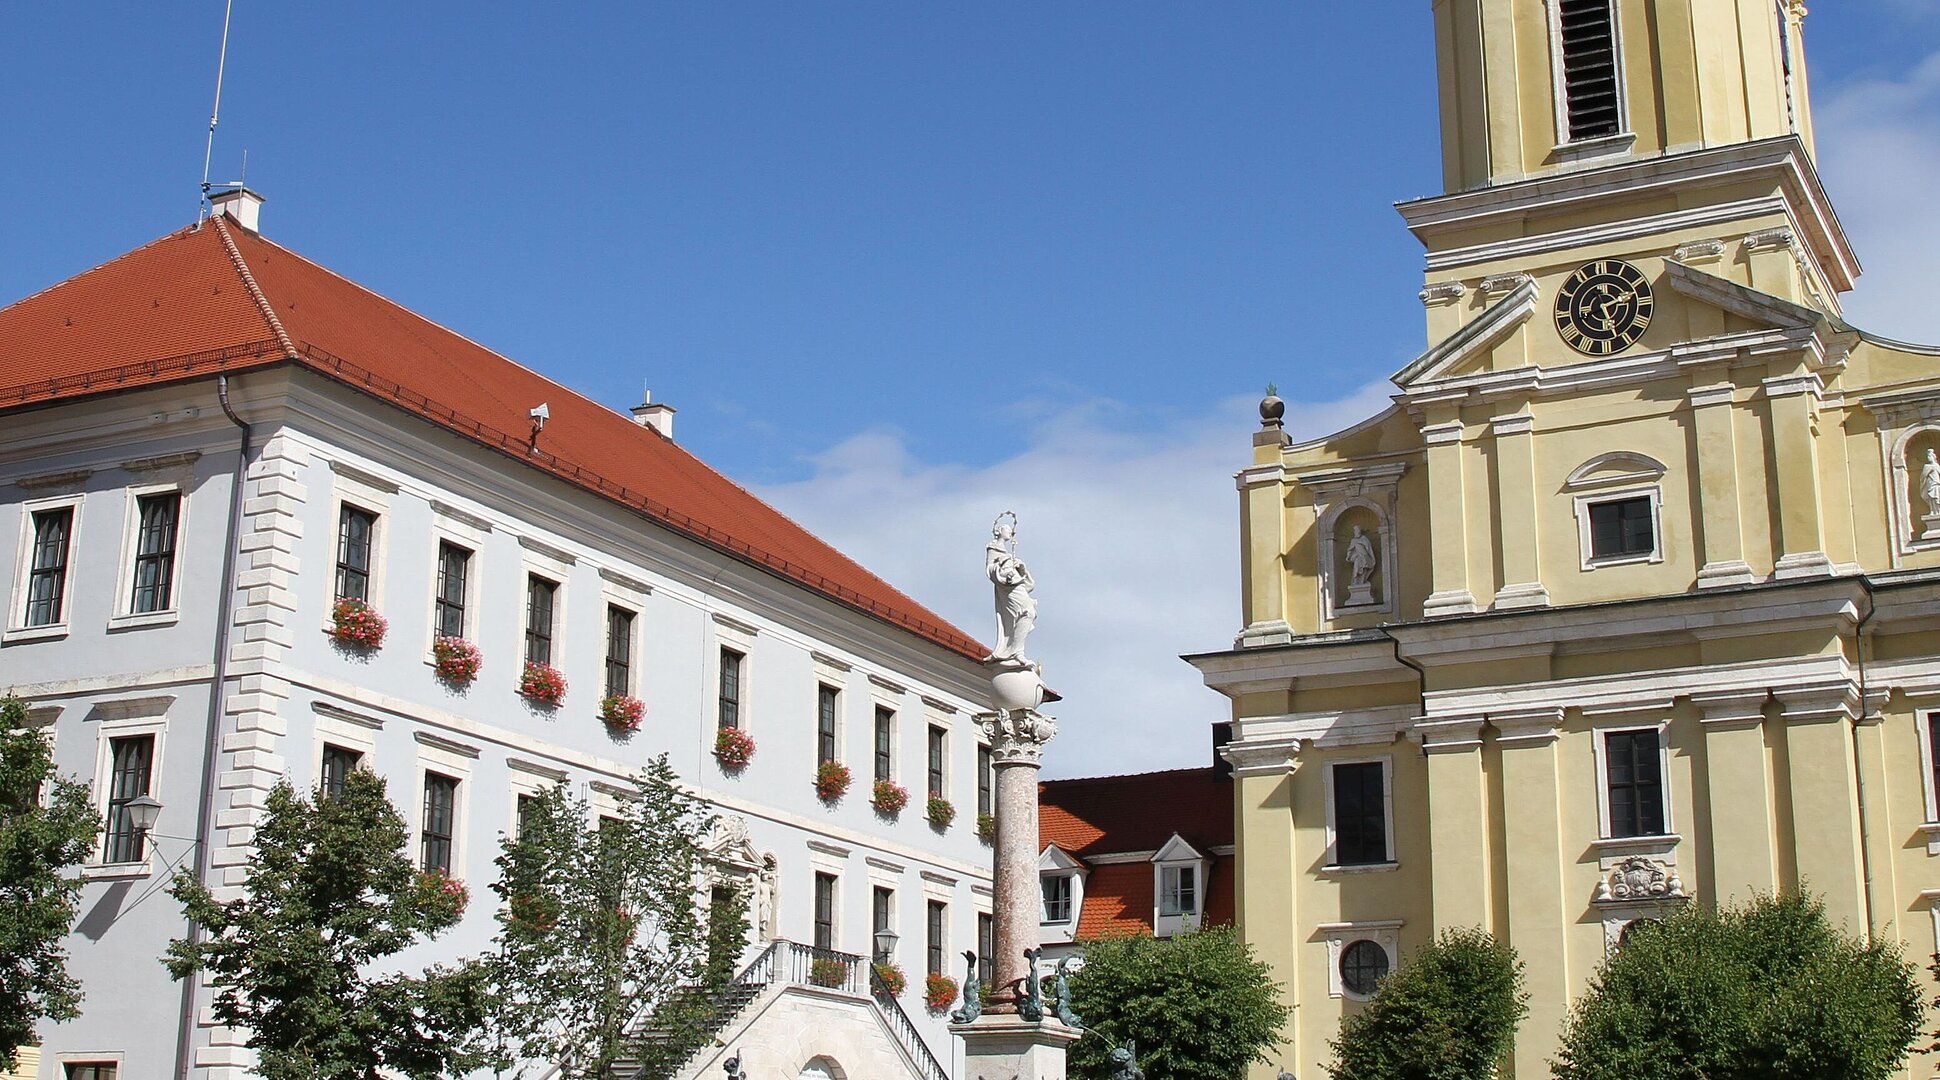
(142, 812)
(886, 940)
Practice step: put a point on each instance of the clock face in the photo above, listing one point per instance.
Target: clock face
(1603, 307)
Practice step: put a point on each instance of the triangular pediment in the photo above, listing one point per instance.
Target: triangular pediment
(1057, 860)
(1757, 307)
(1464, 349)
(1177, 850)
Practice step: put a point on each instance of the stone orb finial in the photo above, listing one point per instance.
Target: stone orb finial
(1272, 410)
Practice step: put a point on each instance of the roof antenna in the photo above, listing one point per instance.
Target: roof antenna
(202, 206)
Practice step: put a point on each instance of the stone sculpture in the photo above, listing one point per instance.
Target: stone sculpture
(1361, 562)
(1030, 1001)
(1124, 1062)
(1016, 607)
(972, 991)
(1930, 483)
(1061, 995)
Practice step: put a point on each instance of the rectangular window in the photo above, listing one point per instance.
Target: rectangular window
(1622, 528)
(937, 737)
(1636, 783)
(1057, 898)
(540, 595)
(730, 689)
(454, 568)
(522, 813)
(619, 651)
(92, 1070)
(337, 763)
(882, 913)
(132, 759)
(986, 779)
(1178, 890)
(939, 913)
(1360, 814)
(986, 948)
(1933, 754)
(1589, 48)
(827, 700)
(885, 743)
(354, 529)
(825, 911)
(47, 574)
(440, 815)
(156, 515)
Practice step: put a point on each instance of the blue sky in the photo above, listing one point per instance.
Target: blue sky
(885, 256)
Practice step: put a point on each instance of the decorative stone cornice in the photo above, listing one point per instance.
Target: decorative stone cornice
(1781, 237)
(1446, 735)
(1017, 735)
(1273, 758)
(1818, 704)
(1527, 727)
(1513, 424)
(1702, 397)
(1442, 434)
(1699, 251)
(1503, 284)
(1442, 292)
(1731, 708)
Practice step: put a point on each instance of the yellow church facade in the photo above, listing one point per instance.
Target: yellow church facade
(1633, 596)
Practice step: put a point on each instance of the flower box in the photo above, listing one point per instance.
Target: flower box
(542, 683)
(987, 828)
(442, 890)
(734, 748)
(622, 713)
(832, 781)
(889, 798)
(940, 812)
(828, 971)
(889, 979)
(939, 993)
(455, 660)
(356, 624)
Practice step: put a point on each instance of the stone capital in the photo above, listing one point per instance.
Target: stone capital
(1017, 736)
(1731, 708)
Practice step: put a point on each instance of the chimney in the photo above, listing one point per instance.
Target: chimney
(658, 417)
(240, 204)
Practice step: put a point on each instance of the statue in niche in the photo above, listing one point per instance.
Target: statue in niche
(765, 899)
(1361, 564)
(1016, 607)
(1930, 493)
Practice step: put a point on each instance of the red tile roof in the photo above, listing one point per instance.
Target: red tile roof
(1116, 815)
(218, 298)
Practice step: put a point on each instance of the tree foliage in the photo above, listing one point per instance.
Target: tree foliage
(330, 896)
(602, 925)
(1199, 1006)
(1770, 990)
(1449, 1013)
(47, 824)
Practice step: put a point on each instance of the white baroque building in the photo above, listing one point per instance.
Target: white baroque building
(210, 439)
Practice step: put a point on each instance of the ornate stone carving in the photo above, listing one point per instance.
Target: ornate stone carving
(1017, 734)
(1638, 878)
(1361, 561)
(1442, 292)
(1016, 607)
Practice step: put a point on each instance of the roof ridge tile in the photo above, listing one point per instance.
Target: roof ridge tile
(255, 291)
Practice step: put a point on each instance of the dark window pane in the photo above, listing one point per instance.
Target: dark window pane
(91, 1070)
(354, 528)
(885, 735)
(454, 567)
(986, 948)
(47, 574)
(938, 913)
(1360, 814)
(1180, 892)
(1589, 68)
(527, 806)
(1057, 898)
(730, 689)
(1362, 966)
(1635, 783)
(827, 698)
(619, 651)
(986, 780)
(155, 552)
(539, 597)
(440, 810)
(825, 911)
(337, 763)
(132, 760)
(1933, 752)
(937, 736)
(881, 914)
(1621, 528)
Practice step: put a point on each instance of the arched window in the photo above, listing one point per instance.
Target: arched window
(1363, 964)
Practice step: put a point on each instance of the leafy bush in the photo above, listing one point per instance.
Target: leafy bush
(1770, 990)
(1199, 1005)
(987, 828)
(1449, 1013)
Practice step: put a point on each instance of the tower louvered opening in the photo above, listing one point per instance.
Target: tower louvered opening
(1590, 68)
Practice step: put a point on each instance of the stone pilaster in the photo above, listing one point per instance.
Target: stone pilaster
(1458, 820)
(1721, 534)
(1448, 520)
(1801, 539)
(1740, 791)
(1515, 464)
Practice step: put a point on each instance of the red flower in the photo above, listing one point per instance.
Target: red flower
(445, 890)
(831, 781)
(455, 660)
(941, 813)
(542, 683)
(890, 979)
(622, 713)
(734, 748)
(939, 992)
(890, 797)
(357, 624)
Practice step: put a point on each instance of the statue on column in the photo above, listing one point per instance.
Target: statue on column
(1016, 607)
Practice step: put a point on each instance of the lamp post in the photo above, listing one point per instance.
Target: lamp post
(886, 940)
(142, 812)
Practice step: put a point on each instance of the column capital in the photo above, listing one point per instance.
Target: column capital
(1017, 737)
(1527, 727)
(1513, 424)
(1442, 434)
(1702, 397)
(1731, 708)
(1831, 701)
(1276, 758)
(1448, 734)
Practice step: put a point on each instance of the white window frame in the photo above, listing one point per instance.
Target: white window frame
(338, 726)
(17, 628)
(104, 1057)
(1331, 860)
(1166, 887)
(1053, 861)
(736, 636)
(630, 595)
(147, 716)
(468, 533)
(1925, 720)
(531, 778)
(454, 759)
(1582, 504)
(359, 489)
(1600, 145)
(1383, 932)
(1070, 881)
(125, 617)
(558, 583)
(1600, 743)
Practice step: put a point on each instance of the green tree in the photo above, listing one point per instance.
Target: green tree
(1199, 1005)
(1770, 990)
(331, 895)
(47, 824)
(602, 926)
(1449, 1013)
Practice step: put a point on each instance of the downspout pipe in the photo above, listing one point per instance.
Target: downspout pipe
(1858, 764)
(1421, 674)
(212, 743)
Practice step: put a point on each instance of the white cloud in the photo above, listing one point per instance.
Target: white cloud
(1879, 147)
(1129, 522)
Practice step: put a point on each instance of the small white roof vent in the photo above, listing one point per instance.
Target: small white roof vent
(659, 417)
(239, 204)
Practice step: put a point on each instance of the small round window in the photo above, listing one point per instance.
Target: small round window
(1362, 964)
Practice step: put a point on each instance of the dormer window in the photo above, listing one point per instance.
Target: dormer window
(1179, 890)
(1062, 881)
(1590, 81)
(1178, 887)
(1057, 899)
